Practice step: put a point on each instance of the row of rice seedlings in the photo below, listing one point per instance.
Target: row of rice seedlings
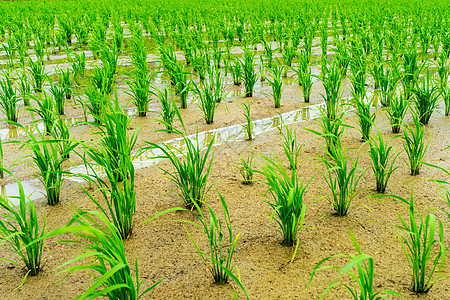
(115, 157)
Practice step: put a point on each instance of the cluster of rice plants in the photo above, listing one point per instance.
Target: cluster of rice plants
(112, 274)
(286, 198)
(9, 101)
(414, 145)
(362, 279)
(21, 231)
(190, 171)
(276, 82)
(342, 179)
(146, 50)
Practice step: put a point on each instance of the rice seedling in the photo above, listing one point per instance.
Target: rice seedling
(65, 81)
(341, 178)
(383, 158)
(423, 247)
(20, 231)
(249, 124)
(191, 171)
(66, 29)
(287, 192)
(236, 72)
(359, 75)
(268, 53)
(246, 168)
(366, 119)
(396, 112)
(96, 103)
(78, 65)
(332, 81)
(59, 98)
(48, 163)
(414, 145)
(442, 71)
(276, 83)
(412, 70)
(289, 53)
(140, 91)
(249, 75)
(116, 143)
(112, 274)
(103, 78)
(9, 102)
(24, 88)
(61, 134)
(216, 83)
(290, 146)
(219, 262)
(332, 130)
(304, 75)
(362, 287)
(446, 96)
(182, 87)
(37, 72)
(45, 110)
(388, 83)
(207, 99)
(168, 108)
(426, 99)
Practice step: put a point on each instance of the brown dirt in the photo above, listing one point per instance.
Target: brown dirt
(165, 252)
